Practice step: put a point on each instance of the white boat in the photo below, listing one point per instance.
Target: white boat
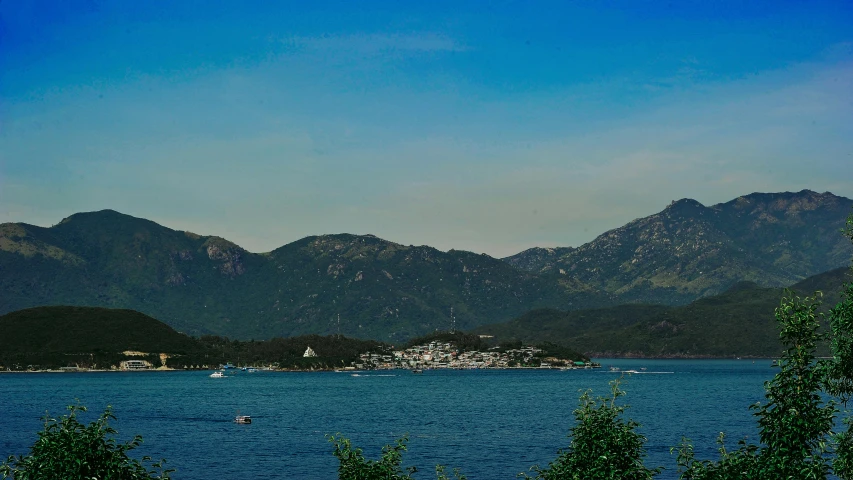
(217, 375)
(242, 419)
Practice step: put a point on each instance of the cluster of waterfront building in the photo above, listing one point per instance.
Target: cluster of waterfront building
(435, 355)
(446, 355)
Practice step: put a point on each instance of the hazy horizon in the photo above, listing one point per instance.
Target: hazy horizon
(179, 228)
(491, 128)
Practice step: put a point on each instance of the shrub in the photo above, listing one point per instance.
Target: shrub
(66, 449)
(603, 445)
(353, 465)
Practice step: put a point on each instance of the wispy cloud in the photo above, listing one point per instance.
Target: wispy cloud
(370, 44)
(505, 146)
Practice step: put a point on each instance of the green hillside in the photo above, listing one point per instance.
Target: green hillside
(738, 322)
(89, 337)
(85, 330)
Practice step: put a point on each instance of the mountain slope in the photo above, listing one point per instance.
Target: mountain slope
(391, 292)
(688, 250)
(738, 322)
(204, 284)
(538, 259)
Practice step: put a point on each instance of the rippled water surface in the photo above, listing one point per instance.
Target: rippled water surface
(491, 424)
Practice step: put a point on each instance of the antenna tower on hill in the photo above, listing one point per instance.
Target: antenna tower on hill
(452, 321)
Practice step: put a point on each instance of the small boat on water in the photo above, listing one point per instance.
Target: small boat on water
(243, 419)
(217, 375)
(417, 370)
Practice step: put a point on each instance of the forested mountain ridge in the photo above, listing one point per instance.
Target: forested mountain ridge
(737, 322)
(205, 284)
(388, 291)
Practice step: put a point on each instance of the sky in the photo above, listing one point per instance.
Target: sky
(484, 126)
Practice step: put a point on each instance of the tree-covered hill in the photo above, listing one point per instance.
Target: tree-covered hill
(688, 250)
(738, 322)
(91, 337)
(75, 330)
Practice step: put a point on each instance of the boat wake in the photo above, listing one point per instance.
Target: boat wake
(637, 372)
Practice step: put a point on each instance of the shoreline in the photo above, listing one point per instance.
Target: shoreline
(339, 370)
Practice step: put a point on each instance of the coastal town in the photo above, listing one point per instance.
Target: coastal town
(444, 355)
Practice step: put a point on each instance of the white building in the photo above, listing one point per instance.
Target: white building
(135, 365)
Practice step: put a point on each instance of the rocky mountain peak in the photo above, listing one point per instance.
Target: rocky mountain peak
(689, 250)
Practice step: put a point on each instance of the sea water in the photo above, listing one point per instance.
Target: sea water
(491, 424)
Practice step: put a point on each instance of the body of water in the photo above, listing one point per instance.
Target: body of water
(492, 424)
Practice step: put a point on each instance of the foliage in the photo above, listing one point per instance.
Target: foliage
(796, 423)
(603, 446)
(353, 465)
(69, 450)
(440, 473)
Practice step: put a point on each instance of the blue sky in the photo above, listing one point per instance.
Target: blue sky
(483, 126)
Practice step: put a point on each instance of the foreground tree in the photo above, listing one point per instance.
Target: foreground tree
(797, 422)
(604, 446)
(353, 465)
(66, 449)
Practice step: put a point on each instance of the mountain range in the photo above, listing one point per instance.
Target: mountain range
(367, 287)
(688, 250)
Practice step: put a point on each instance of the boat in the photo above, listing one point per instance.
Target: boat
(242, 419)
(217, 375)
(417, 370)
